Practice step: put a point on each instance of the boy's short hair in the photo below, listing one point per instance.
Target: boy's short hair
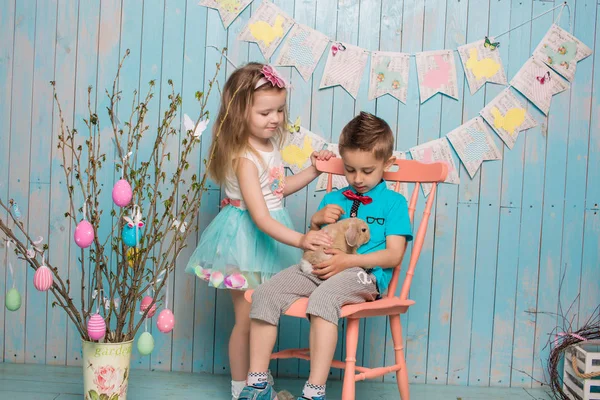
(367, 132)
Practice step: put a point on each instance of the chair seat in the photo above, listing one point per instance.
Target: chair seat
(384, 306)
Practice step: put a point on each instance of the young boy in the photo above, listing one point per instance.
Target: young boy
(366, 145)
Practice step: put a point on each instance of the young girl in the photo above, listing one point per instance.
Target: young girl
(252, 238)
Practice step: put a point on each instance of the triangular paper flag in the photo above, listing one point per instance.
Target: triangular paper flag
(389, 75)
(338, 181)
(538, 83)
(298, 146)
(345, 67)
(436, 72)
(302, 49)
(561, 51)
(507, 117)
(267, 27)
(228, 9)
(473, 144)
(436, 151)
(481, 65)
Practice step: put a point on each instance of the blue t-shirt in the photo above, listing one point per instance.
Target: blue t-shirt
(386, 215)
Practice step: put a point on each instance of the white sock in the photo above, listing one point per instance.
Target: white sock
(311, 390)
(236, 389)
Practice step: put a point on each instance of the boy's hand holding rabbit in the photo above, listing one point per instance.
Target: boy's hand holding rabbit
(329, 214)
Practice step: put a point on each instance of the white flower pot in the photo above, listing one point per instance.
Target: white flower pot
(106, 370)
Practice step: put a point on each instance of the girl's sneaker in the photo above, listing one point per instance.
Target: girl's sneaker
(261, 391)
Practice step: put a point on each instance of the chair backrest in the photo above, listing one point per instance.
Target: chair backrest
(407, 171)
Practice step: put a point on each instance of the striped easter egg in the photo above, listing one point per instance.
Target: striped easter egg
(96, 327)
(42, 279)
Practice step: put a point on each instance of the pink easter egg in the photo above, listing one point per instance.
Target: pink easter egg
(84, 234)
(122, 193)
(42, 279)
(96, 327)
(145, 304)
(165, 321)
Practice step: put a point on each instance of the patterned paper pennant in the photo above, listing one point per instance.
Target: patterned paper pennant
(481, 65)
(473, 144)
(538, 83)
(345, 66)
(389, 74)
(303, 49)
(228, 9)
(507, 117)
(338, 181)
(436, 151)
(267, 27)
(436, 72)
(561, 51)
(298, 146)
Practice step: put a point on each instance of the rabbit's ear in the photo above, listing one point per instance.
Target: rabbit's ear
(352, 234)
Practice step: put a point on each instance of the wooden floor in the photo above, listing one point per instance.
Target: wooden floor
(33, 382)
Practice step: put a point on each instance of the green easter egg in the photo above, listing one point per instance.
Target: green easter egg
(13, 300)
(145, 343)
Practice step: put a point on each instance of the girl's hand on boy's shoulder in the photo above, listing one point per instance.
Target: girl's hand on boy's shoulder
(322, 155)
(336, 264)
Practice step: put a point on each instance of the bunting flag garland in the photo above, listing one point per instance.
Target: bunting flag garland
(228, 9)
(507, 117)
(538, 83)
(267, 27)
(298, 146)
(473, 144)
(389, 75)
(436, 72)
(561, 51)
(436, 151)
(482, 64)
(345, 66)
(303, 49)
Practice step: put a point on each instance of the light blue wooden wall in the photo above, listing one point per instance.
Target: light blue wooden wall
(498, 245)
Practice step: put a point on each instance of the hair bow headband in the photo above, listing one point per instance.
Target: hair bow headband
(272, 76)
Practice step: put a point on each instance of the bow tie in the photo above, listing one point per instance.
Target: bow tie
(357, 197)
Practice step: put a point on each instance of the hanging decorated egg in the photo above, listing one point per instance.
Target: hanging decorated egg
(129, 235)
(145, 343)
(42, 279)
(96, 327)
(145, 304)
(122, 193)
(84, 234)
(165, 321)
(13, 300)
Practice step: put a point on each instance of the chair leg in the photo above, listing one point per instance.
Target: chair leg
(348, 390)
(402, 374)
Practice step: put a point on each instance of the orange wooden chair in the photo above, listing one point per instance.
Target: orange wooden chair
(390, 305)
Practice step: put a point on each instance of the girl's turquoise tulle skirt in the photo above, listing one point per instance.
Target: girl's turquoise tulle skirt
(234, 254)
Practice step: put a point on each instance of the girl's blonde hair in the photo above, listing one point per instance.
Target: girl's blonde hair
(238, 95)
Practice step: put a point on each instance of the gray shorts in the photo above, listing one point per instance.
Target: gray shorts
(325, 297)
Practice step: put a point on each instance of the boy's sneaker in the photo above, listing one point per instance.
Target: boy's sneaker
(261, 391)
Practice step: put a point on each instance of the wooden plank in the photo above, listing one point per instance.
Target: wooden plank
(60, 239)
(488, 227)
(39, 165)
(193, 80)
(372, 330)
(593, 174)
(20, 150)
(510, 203)
(579, 134)
(86, 75)
(150, 70)
(129, 82)
(321, 110)
(172, 70)
(467, 220)
(7, 30)
(590, 293)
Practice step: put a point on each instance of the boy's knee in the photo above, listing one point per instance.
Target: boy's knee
(324, 305)
(265, 305)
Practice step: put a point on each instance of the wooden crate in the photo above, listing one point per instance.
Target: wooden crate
(588, 360)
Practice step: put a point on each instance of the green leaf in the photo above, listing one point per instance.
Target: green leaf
(104, 396)
(93, 395)
(114, 397)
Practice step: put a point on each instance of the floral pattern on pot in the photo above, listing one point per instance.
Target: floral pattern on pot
(111, 383)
